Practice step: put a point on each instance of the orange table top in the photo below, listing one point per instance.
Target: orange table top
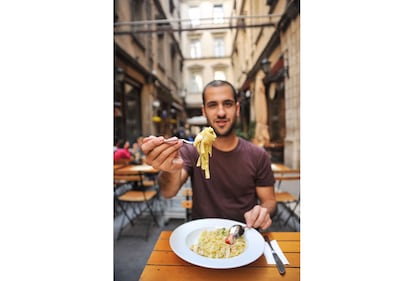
(118, 166)
(136, 169)
(164, 264)
(280, 168)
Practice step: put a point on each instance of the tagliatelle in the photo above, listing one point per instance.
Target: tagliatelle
(204, 145)
(212, 244)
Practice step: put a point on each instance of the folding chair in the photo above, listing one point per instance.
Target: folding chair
(125, 182)
(139, 198)
(187, 204)
(290, 201)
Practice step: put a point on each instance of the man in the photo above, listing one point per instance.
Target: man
(241, 183)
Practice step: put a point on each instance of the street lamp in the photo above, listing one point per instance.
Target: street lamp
(265, 65)
(183, 93)
(156, 104)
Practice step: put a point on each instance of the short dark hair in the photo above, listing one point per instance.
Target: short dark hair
(121, 143)
(218, 83)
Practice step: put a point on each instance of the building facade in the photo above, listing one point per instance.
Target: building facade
(266, 63)
(166, 51)
(206, 44)
(147, 68)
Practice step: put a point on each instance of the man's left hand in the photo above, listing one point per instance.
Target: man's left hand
(258, 217)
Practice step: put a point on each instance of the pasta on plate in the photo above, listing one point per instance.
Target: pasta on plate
(211, 243)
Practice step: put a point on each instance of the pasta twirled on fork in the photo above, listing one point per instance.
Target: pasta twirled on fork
(204, 145)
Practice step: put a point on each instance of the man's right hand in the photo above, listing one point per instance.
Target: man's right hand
(161, 155)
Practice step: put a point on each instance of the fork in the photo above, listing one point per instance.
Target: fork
(173, 139)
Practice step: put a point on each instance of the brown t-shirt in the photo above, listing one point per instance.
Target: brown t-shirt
(234, 176)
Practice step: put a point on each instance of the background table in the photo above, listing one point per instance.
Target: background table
(142, 175)
(164, 264)
(136, 169)
(276, 167)
(118, 166)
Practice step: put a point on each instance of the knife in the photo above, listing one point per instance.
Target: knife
(278, 261)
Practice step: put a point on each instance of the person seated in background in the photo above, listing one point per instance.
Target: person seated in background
(136, 151)
(122, 151)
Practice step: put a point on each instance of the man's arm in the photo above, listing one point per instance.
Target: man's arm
(260, 216)
(170, 182)
(267, 199)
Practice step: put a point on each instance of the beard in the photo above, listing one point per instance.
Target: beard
(226, 133)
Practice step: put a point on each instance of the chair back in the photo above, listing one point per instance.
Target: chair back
(187, 204)
(289, 175)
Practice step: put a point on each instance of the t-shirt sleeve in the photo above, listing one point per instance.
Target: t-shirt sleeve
(189, 155)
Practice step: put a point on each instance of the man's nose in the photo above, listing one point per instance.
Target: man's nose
(220, 110)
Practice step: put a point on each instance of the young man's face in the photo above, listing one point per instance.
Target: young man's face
(220, 109)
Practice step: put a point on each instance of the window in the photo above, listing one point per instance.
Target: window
(160, 48)
(138, 13)
(195, 48)
(194, 15)
(219, 75)
(218, 13)
(196, 83)
(172, 6)
(219, 47)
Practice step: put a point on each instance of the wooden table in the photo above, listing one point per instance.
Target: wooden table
(136, 170)
(142, 175)
(280, 168)
(118, 166)
(164, 264)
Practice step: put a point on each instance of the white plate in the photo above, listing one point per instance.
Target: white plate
(187, 234)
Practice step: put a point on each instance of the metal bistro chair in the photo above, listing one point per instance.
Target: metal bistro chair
(290, 201)
(187, 204)
(139, 198)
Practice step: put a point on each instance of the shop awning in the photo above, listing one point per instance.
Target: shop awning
(177, 106)
(197, 120)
